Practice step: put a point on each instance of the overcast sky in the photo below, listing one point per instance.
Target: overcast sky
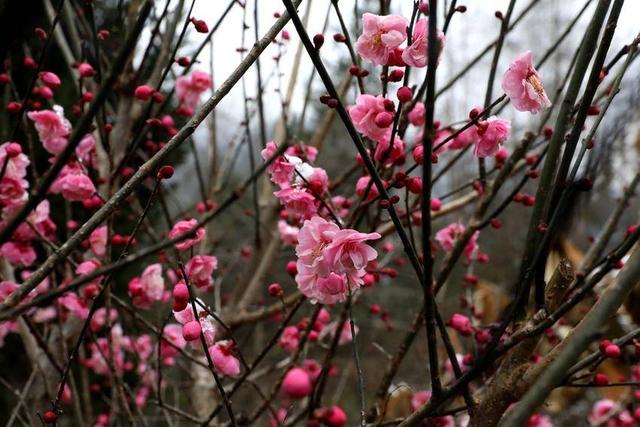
(468, 34)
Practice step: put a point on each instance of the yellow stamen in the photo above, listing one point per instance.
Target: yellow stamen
(535, 82)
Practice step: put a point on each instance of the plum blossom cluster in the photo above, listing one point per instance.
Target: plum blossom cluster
(374, 115)
(301, 184)
(331, 261)
(382, 37)
(77, 182)
(189, 89)
(448, 236)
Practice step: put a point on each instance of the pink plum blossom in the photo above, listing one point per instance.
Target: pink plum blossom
(16, 165)
(298, 201)
(52, 127)
(383, 151)
(417, 54)
(304, 152)
(207, 322)
(290, 339)
(521, 83)
(417, 114)
(288, 233)
(364, 113)
(98, 241)
(361, 188)
(189, 88)
(73, 184)
(74, 304)
(200, 268)
(18, 253)
(13, 192)
(86, 150)
(280, 170)
(172, 334)
(147, 288)
(185, 226)
(464, 138)
(381, 35)
(99, 318)
(491, 135)
(448, 236)
(607, 413)
(223, 359)
(330, 260)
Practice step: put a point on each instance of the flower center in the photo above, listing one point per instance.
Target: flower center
(535, 82)
(376, 40)
(317, 252)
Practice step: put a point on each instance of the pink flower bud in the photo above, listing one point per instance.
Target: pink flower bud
(191, 330)
(13, 107)
(414, 185)
(384, 119)
(600, 380)
(46, 92)
(29, 63)
(292, 269)
(86, 70)
(502, 154)
(418, 154)
(339, 37)
(143, 92)
(181, 294)
(462, 324)
(87, 96)
(334, 417)
(297, 384)
(50, 79)
(40, 33)
(13, 149)
(612, 351)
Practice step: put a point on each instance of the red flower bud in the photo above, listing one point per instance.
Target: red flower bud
(275, 290)
(143, 92)
(318, 41)
(404, 94)
(49, 417)
(200, 25)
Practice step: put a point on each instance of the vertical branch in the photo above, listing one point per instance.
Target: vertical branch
(249, 140)
(259, 88)
(555, 146)
(225, 397)
(504, 27)
(356, 358)
(425, 202)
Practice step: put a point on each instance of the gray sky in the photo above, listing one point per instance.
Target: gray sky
(468, 34)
